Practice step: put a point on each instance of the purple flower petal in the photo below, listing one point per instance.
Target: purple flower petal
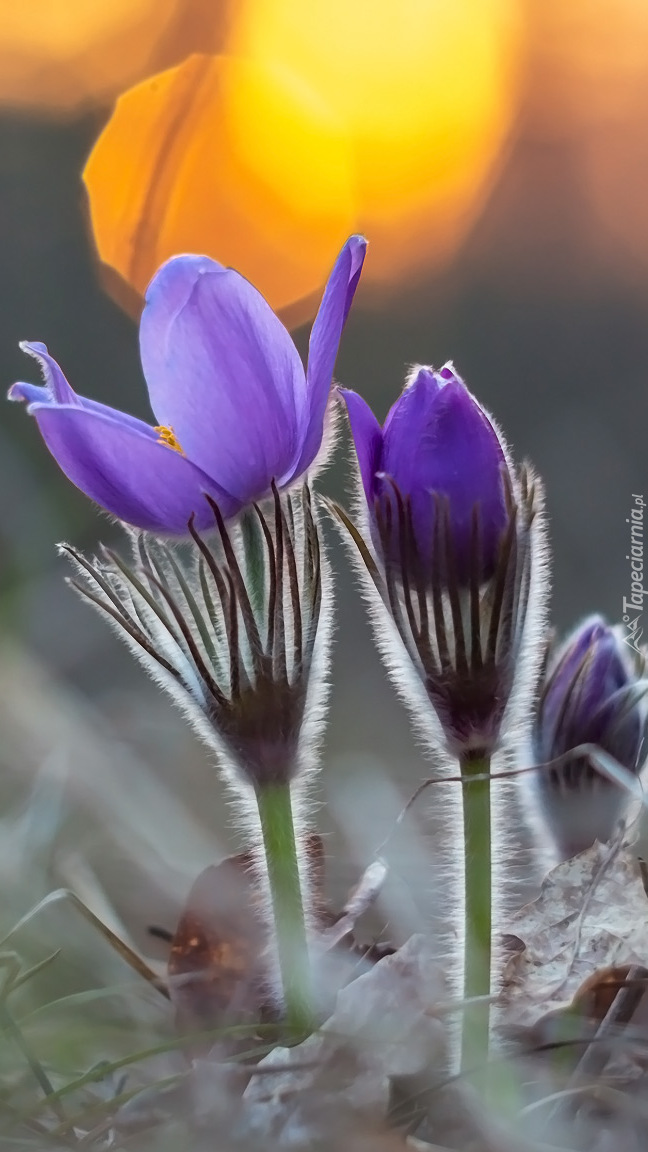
(587, 700)
(569, 662)
(224, 373)
(325, 340)
(367, 437)
(122, 466)
(56, 386)
(226, 383)
(29, 393)
(438, 440)
(407, 430)
(56, 390)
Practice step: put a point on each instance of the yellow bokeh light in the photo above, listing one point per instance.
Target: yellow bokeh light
(59, 55)
(426, 89)
(187, 163)
(588, 60)
(324, 118)
(589, 92)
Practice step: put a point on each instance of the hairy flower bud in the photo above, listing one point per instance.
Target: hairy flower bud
(592, 694)
(450, 536)
(437, 445)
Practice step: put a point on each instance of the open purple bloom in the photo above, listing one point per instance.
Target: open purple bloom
(235, 408)
(438, 451)
(591, 695)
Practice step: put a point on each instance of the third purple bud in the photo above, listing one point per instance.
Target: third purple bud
(593, 694)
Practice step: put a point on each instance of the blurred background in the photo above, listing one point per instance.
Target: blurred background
(495, 153)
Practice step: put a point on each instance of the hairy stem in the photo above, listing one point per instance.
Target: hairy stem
(277, 825)
(477, 910)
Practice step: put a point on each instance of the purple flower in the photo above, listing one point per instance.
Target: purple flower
(235, 408)
(457, 534)
(440, 453)
(592, 694)
(588, 697)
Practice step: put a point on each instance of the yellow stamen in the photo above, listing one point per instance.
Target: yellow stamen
(167, 436)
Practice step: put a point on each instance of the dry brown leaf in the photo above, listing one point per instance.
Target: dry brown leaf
(216, 973)
(386, 1024)
(597, 994)
(218, 959)
(591, 914)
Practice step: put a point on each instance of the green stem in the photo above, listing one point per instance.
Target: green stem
(278, 829)
(477, 882)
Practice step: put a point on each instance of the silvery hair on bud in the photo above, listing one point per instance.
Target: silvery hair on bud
(579, 802)
(397, 644)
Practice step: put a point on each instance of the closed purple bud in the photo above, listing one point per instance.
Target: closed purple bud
(437, 448)
(592, 694)
(451, 538)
